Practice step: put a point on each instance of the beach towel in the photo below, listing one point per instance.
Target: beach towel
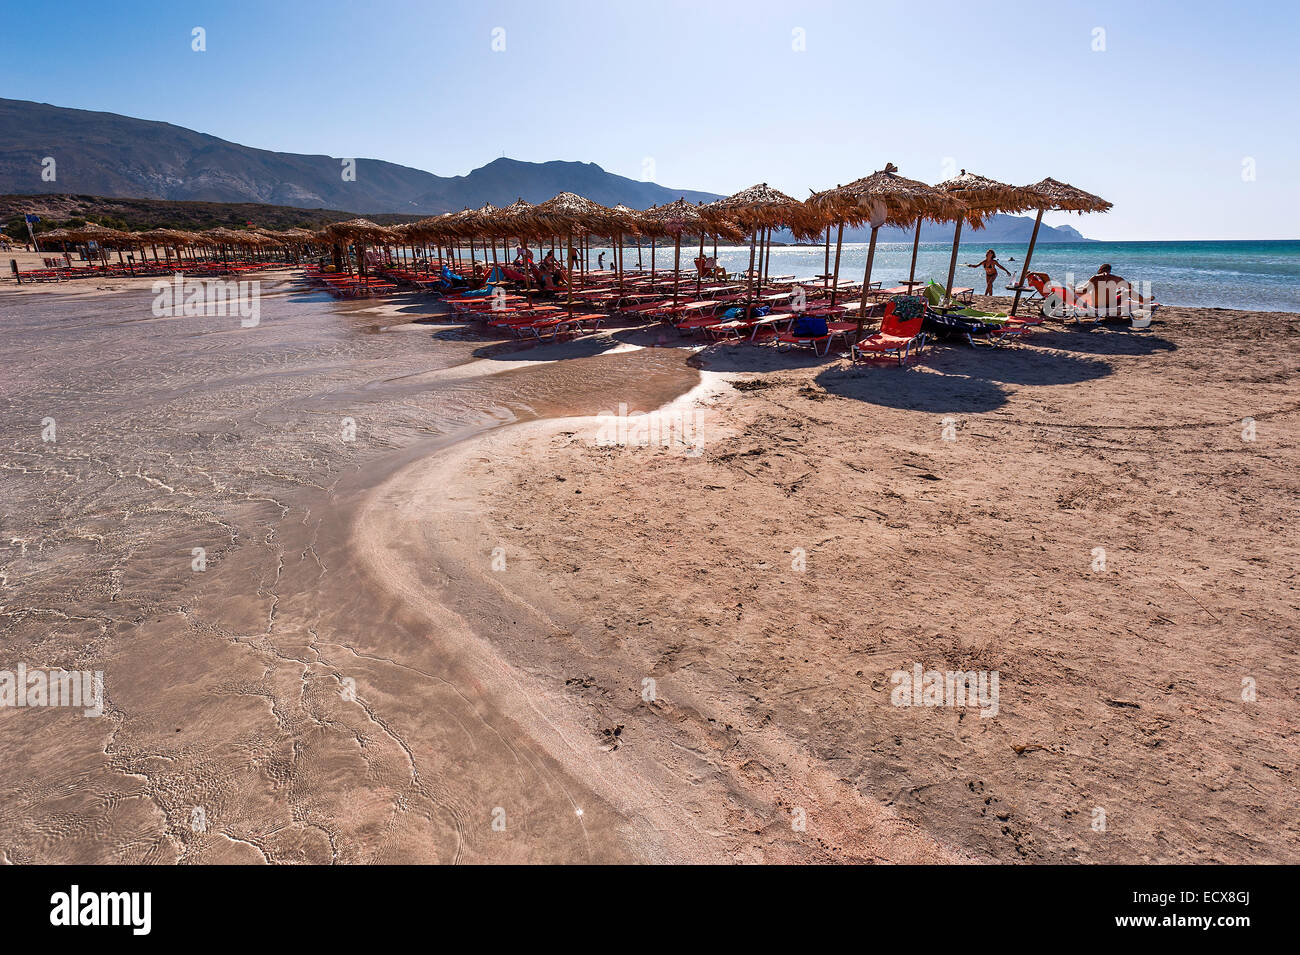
(908, 306)
(944, 326)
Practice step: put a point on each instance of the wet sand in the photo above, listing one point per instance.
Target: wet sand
(431, 643)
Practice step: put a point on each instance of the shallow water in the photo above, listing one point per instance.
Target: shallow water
(132, 446)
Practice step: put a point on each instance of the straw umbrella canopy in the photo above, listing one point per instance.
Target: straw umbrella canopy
(630, 221)
(224, 236)
(675, 219)
(758, 207)
(569, 214)
(484, 217)
(167, 238)
(983, 197)
(297, 236)
(884, 197)
(55, 235)
(513, 221)
(1060, 197)
(361, 233)
(91, 232)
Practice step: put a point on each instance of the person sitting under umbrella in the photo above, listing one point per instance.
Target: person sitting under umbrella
(552, 272)
(990, 264)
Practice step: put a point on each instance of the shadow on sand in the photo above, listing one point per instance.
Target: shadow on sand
(959, 380)
(1105, 339)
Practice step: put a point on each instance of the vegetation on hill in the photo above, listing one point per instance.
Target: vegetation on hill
(57, 211)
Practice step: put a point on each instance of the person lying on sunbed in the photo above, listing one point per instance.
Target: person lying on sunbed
(1105, 286)
(990, 264)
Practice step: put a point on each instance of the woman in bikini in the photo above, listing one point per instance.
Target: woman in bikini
(990, 264)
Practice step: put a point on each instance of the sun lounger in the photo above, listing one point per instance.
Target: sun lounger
(898, 338)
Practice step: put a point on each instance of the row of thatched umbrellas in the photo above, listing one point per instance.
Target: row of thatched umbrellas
(882, 198)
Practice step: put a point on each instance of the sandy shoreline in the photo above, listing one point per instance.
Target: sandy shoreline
(496, 589)
(1121, 689)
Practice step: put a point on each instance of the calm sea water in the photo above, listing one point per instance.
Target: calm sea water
(1260, 276)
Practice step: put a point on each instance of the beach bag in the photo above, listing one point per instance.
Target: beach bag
(809, 326)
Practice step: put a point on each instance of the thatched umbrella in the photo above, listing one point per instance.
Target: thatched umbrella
(91, 232)
(359, 232)
(884, 197)
(756, 208)
(513, 221)
(431, 229)
(630, 222)
(983, 198)
(168, 238)
(674, 219)
(104, 237)
(1059, 197)
(569, 214)
(484, 217)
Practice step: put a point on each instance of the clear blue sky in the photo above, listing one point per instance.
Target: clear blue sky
(716, 95)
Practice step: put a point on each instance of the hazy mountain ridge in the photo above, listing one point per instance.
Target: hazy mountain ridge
(113, 156)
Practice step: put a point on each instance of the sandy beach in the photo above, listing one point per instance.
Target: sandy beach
(469, 629)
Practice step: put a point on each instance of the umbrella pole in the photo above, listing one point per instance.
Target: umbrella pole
(952, 262)
(653, 244)
(839, 244)
(826, 269)
(749, 279)
(1033, 237)
(677, 270)
(569, 284)
(916, 244)
(698, 275)
(767, 261)
(866, 281)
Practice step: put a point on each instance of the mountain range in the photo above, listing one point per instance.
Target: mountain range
(105, 154)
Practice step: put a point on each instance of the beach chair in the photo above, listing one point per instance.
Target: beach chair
(800, 335)
(900, 335)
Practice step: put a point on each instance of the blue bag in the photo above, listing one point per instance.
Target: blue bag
(809, 326)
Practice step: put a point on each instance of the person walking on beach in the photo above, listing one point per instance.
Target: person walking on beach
(990, 264)
(600, 261)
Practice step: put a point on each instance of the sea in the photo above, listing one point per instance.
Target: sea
(1256, 276)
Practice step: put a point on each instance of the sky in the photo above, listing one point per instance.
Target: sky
(1182, 114)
